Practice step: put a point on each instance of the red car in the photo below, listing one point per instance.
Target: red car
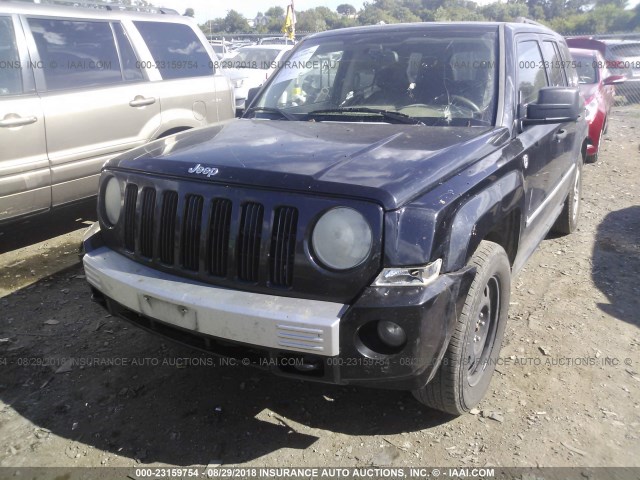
(597, 87)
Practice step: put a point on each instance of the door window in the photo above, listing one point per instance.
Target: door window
(177, 51)
(554, 64)
(76, 53)
(10, 68)
(531, 71)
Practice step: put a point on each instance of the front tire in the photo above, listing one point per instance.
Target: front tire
(468, 364)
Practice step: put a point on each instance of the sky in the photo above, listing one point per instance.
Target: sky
(210, 9)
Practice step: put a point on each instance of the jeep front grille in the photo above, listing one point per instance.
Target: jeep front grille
(166, 238)
(283, 244)
(191, 231)
(146, 221)
(130, 199)
(249, 242)
(194, 234)
(219, 228)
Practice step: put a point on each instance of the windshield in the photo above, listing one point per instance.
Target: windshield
(433, 76)
(259, 58)
(585, 66)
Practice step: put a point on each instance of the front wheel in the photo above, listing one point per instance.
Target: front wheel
(468, 364)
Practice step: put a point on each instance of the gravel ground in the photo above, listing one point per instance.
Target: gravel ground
(566, 393)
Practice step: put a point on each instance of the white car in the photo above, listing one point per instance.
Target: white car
(250, 66)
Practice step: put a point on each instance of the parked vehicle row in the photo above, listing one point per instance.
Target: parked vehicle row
(80, 85)
(362, 220)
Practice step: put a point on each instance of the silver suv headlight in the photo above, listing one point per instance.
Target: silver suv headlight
(342, 238)
(112, 200)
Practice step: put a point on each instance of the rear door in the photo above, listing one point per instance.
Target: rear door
(95, 99)
(25, 178)
(190, 93)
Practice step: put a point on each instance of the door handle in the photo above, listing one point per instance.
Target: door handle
(561, 134)
(140, 101)
(13, 120)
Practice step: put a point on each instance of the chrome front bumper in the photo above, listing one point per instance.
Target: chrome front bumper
(272, 321)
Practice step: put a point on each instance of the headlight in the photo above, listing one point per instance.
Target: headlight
(409, 276)
(112, 200)
(591, 108)
(238, 83)
(342, 238)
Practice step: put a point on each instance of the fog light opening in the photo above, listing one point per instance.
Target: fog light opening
(391, 334)
(380, 337)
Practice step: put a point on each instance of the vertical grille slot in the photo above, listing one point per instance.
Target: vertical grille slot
(249, 242)
(283, 244)
(219, 236)
(146, 221)
(130, 199)
(191, 230)
(168, 227)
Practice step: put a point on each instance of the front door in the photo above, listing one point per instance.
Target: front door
(25, 178)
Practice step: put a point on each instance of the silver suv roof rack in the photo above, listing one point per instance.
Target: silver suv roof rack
(137, 5)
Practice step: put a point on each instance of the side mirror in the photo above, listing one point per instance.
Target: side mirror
(614, 80)
(554, 105)
(251, 94)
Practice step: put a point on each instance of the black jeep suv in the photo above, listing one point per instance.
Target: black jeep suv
(362, 222)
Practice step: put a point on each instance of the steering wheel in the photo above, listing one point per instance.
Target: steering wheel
(467, 102)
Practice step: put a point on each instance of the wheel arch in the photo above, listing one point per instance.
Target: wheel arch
(172, 131)
(494, 214)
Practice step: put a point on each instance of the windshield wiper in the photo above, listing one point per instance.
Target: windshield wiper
(283, 114)
(386, 114)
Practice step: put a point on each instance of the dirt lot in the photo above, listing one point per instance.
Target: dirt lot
(566, 394)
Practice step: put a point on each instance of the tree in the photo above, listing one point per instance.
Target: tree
(346, 9)
(504, 12)
(601, 19)
(310, 21)
(372, 15)
(235, 23)
(275, 12)
(189, 12)
(616, 3)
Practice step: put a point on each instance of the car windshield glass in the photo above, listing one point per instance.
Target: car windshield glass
(259, 58)
(585, 66)
(626, 50)
(432, 75)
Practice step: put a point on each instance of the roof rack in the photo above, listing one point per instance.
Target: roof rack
(110, 6)
(530, 22)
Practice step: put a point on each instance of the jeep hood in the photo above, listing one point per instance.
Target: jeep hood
(389, 164)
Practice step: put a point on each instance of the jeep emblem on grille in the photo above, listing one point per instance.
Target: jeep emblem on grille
(200, 170)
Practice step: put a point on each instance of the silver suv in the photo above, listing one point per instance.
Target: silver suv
(81, 85)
